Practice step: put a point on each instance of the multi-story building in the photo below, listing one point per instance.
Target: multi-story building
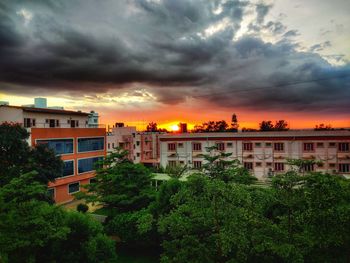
(264, 153)
(143, 147)
(69, 134)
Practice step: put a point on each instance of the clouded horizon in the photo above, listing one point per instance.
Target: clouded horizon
(166, 60)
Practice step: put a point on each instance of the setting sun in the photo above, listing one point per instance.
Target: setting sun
(174, 127)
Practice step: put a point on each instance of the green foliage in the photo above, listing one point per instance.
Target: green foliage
(121, 186)
(17, 158)
(301, 218)
(13, 151)
(85, 242)
(133, 228)
(124, 189)
(176, 171)
(213, 221)
(27, 222)
(167, 190)
(218, 166)
(33, 230)
(83, 208)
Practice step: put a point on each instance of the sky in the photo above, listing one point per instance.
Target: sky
(186, 60)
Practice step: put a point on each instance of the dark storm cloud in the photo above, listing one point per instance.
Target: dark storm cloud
(173, 47)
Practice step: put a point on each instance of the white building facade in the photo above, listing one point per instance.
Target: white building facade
(264, 153)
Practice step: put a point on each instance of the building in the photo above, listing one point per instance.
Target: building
(143, 147)
(68, 133)
(93, 119)
(264, 153)
(182, 127)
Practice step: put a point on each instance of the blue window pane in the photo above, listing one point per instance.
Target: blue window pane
(88, 164)
(68, 168)
(91, 144)
(60, 146)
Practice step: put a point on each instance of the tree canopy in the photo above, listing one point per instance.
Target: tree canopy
(16, 157)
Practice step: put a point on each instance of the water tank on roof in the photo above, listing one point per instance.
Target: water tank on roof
(40, 102)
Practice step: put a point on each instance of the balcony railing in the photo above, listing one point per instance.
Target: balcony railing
(63, 125)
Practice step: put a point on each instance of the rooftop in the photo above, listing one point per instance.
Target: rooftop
(47, 110)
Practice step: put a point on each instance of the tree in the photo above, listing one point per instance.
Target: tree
(281, 125)
(85, 242)
(27, 222)
(153, 127)
(212, 126)
(212, 221)
(234, 123)
(16, 157)
(218, 165)
(266, 126)
(33, 230)
(120, 185)
(125, 192)
(323, 127)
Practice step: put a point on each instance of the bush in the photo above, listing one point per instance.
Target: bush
(83, 208)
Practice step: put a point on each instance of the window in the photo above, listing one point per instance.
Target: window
(197, 146)
(113, 145)
(171, 163)
(308, 147)
(60, 146)
(309, 167)
(332, 165)
(268, 164)
(182, 162)
(343, 147)
(180, 145)
(91, 144)
(344, 168)
(138, 154)
(279, 167)
(109, 145)
(197, 164)
(73, 123)
(220, 146)
(171, 146)
(320, 145)
(332, 144)
(138, 143)
(28, 122)
(247, 146)
(268, 144)
(229, 144)
(248, 165)
(52, 123)
(73, 188)
(51, 193)
(279, 146)
(88, 164)
(68, 168)
(258, 164)
(258, 144)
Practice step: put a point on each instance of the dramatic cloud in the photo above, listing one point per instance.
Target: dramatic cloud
(176, 50)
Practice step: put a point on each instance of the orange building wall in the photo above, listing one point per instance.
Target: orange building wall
(61, 184)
